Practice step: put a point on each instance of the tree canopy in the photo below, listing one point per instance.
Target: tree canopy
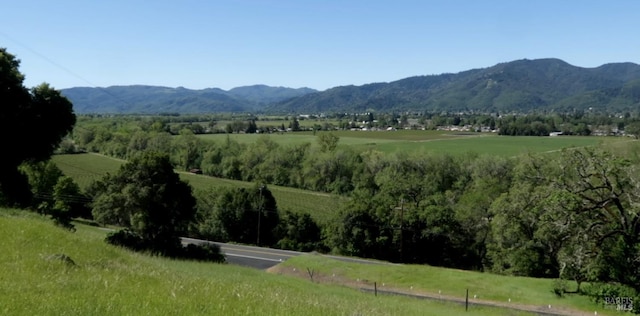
(36, 119)
(148, 198)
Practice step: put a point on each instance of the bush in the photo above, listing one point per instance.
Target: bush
(607, 294)
(560, 287)
(128, 239)
(203, 252)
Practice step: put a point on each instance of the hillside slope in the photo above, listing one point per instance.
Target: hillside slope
(155, 99)
(45, 270)
(522, 85)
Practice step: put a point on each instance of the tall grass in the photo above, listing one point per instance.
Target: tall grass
(425, 279)
(105, 280)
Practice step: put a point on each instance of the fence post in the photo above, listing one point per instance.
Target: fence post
(375, 289)
(466, 302)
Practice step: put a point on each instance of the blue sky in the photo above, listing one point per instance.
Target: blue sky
(304, 43)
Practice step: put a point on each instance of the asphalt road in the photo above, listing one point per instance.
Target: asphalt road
(250, 256)
(265, 258)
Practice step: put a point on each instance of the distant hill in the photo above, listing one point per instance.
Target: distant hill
(155, 99)
(522, 85)
(261, 94)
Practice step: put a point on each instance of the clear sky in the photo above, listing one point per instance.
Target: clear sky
(303, 43)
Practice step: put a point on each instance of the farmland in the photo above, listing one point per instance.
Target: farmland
(429, 141)
(86, 168)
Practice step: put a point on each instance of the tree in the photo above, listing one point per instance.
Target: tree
(188, 150)
(294, 125)
(251, 127)
(66, 196)
(42, 177)
(328, 142)
(298, 232)
(248, 216)
(633, 129)
(46, 114)
(148, 198)
(602, 194)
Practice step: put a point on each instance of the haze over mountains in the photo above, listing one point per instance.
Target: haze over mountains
(521, 86)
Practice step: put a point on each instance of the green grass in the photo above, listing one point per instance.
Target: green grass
(443, 281)
(430, 141)
(86, 168)
(106, 280)
(321, 206)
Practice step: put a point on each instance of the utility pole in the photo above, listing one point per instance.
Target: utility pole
(260, 215)
(402, 230)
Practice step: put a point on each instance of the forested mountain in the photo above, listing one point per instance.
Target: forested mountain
(523, 85)
(155, 99)
(262, 94)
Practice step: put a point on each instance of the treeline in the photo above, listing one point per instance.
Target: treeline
(325, 168)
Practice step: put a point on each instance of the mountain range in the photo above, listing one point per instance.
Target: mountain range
(521, 86)
(156, 99)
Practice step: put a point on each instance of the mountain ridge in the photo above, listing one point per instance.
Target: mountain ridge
(524, 85)
(158, 99)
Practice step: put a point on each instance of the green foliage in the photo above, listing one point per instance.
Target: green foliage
(298, 232)
(328, 142)
(42, 177)
(608, 295)
(54, 194)
(147, 197)
(67, 199)
(48, 115)
(247, 216)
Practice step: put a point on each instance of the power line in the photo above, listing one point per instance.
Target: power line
(65, 69)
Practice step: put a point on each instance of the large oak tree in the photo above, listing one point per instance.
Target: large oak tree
(32, 123)
(148, 198)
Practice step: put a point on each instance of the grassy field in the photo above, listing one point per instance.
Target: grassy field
(105, 280)
(86, 168)
(444, 282)
(430, 141)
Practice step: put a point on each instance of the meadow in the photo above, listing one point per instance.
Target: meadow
(428, 141)
(86, 168)
(100, 279)
(439, 282)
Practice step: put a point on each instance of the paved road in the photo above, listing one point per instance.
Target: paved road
(250, 256)
(264, 258)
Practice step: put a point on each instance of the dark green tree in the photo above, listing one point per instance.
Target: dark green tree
(48, 117)
(294, 125)
(251, 127)
(248, 216)
(298, 232)
(148, 198)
